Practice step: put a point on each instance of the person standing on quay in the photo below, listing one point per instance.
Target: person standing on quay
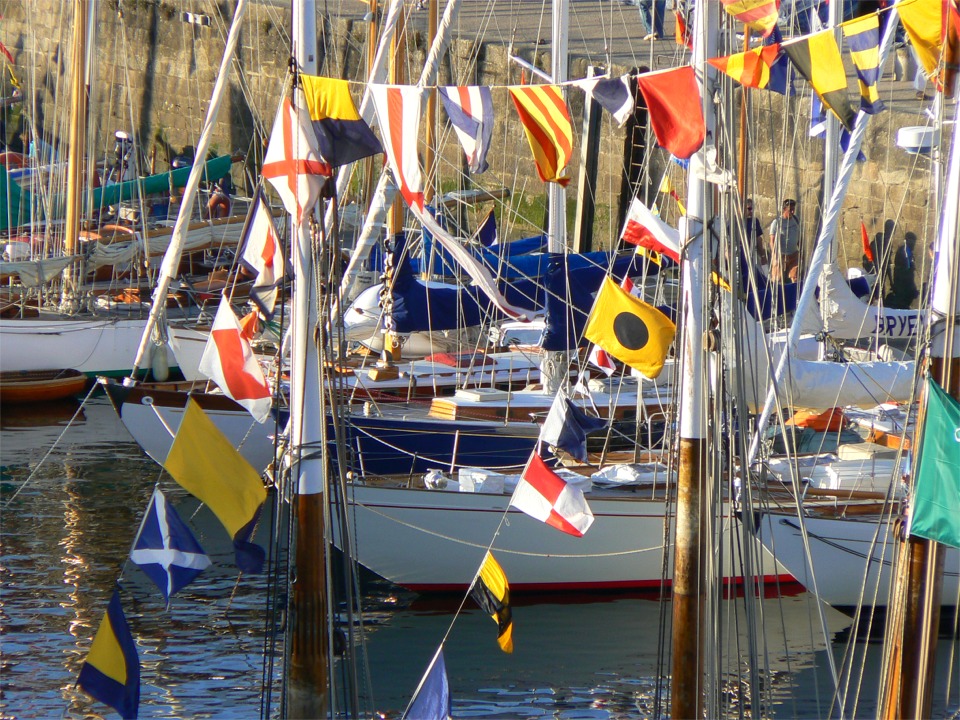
(652, 13)
(785, 244)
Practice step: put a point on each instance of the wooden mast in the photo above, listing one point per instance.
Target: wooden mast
(914, 619)
(689, 585)
(76, 152)
(307, 685)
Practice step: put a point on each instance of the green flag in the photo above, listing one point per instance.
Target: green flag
(936, 490)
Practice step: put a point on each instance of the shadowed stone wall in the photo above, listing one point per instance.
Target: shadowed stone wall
(154, 71)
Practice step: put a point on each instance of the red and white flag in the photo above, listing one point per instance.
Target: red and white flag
(645, 229)
(398, 114)
(545, 496)
(293, 164)
(262, 250)
(228, 360)
(264, 255)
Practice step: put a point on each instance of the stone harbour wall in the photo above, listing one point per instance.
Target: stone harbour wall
(156, 63)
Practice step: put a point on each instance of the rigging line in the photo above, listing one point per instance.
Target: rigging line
(504, 551)
(53, 447)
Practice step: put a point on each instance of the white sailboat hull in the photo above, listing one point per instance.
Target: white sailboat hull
(433, 540)
(152, 417)
(851, 559)
(99, 346)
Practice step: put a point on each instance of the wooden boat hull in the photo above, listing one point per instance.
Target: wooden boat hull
(37, 386)
(434, 541)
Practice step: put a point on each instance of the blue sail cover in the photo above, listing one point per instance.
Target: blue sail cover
(415, 306)
(783, 298)
(770, 298)
(570, 296)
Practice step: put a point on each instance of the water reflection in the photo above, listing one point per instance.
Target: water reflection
(67, 532)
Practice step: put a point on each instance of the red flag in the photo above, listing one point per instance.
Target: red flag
(681, 32)
(228, 361)
(673, 101)
(545, 496)
(6, 53)
(865, 238)
(645, 229)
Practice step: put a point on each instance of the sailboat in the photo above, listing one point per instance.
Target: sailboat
(862, 539)
(58, 317)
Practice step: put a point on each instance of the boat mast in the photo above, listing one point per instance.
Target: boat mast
(911, 654)
(689, 586)
(171, 258)
(307, 686)
(76, 153)
(554, 365)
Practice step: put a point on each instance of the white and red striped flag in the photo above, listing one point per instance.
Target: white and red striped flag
(263, 254)
(292, 163)
(547, 497)
(398, 114)
(228, 360)
(645, 229)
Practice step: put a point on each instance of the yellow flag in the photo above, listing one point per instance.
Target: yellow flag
(492, 593)
(629, 329)
(923, 20)
(207, 466)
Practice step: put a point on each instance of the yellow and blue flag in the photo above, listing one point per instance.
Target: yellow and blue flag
(491, 591)
(111, 672)
(863, 39)
(342, 135)
(208, 467)
(817, 58)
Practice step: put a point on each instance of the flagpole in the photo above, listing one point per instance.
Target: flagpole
(913, 622)
(307, 673)
(689, 586)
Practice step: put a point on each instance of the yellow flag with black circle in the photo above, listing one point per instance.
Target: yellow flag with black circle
(632, 331)
(491, 592)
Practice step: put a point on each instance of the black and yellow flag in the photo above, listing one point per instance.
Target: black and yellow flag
(817, 57)
(632, 331)
(492, 593)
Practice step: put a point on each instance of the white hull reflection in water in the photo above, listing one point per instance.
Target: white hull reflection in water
(66, 533)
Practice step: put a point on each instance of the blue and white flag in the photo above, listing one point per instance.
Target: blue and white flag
(567, 427)
(166, 550)
(780, 71)
(612, 94)
(432, 699)
(470, 109)
(487, 231)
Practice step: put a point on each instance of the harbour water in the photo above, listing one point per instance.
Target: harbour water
(69, 517)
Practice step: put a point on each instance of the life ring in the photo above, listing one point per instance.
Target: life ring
(12, 160)
(114, 233)
(219, 205)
